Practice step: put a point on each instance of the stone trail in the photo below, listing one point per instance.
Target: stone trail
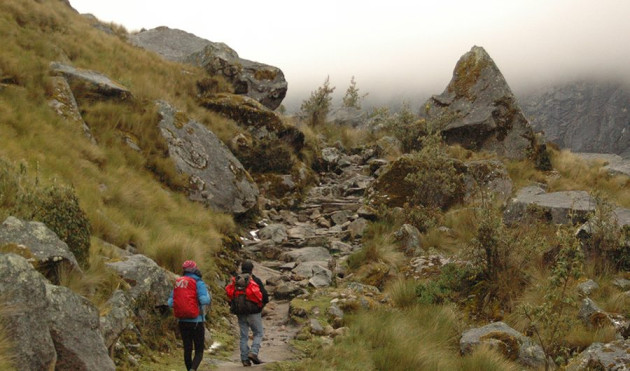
(297, 249)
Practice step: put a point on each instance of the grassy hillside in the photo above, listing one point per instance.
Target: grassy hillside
(129, 197)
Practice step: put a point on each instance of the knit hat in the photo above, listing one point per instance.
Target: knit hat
(247, 266)
(189, 265)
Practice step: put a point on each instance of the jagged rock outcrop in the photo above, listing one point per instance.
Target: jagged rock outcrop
(74, 327)
(584, 116)
(23, 288)
(557, 207)
(266, 84)
(479, 111)
(217, 177)
(347, 116)
(42, 246)
(506, 340)
(89, 84)
(65, 105)
(261, 122)
(117, 317)
(613, 164)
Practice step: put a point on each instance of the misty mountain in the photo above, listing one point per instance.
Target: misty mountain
(584, 116)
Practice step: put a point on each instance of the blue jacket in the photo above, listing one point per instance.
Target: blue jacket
(203, 296)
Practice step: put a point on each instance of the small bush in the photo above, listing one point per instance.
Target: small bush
(267, 156)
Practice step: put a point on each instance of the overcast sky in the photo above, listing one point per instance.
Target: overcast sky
(396, 47)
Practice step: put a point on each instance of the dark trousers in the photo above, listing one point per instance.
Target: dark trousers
(193, 334)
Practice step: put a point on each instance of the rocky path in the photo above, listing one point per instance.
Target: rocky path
(296, 250)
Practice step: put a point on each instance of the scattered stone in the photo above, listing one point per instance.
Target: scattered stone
(316, 327)
(275, 232)
(307, 254)
(409, 238)
(621, 283)
(598, 356)
(592, 315)
(287, 291)
(357, 228)
(587, 287)
(509, 342)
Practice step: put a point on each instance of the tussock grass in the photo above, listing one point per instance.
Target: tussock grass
(578, 174)
(487, 359)
(121, 191)
(378, 247)
(419, 338)
(403, 293)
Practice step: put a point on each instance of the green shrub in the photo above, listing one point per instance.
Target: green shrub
(439, 180)
(453, 282)
(58, 207)
(267, 156)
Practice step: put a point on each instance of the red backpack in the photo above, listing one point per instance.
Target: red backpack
(244, 294)
(185, 303)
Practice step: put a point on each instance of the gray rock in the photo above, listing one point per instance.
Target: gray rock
(587, 287)
(218, 179)
(308, 269)
(559, 207)
(322, 277)
(368, 212)
(117, 317)
(74, 327)
(262, 82)
(65, 105)
(331, 157)
(48, 252)
(275, 232)
(357, 228)
(584, 116)
(478, 110)
(341, 247)
(389, 146)
(340, 217)
(592, 315)
(614, 164)
(409, 238)
(307, 254)
(24, 288)
(495, 335)
(145, 277)
(86, 83)
(286, 291)
(347, 116)
(621, 283)
(598, 356)
(316, 327)
(301, 232)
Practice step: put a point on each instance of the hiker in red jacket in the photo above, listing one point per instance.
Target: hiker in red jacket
(248, 296)
(189, 299)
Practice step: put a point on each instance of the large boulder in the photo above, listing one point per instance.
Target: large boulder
(63, 102)
(506, 340)
(347, 116)
(598, 356)
(217, 177)
(74, 327)
(584, 116)
(306, 254)
(23, 288)
(145, 277)
(89, 84)
(558, 207)
(39, 244)
(261, 122)
(262, 82)
(478, 110)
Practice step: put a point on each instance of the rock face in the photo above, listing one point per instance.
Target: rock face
(582, 116)
(217, 178)
(74, 327)
(23, 287)
(39, 243)
(505, 339)
(479, 111)
(262, 82)
(260, 121)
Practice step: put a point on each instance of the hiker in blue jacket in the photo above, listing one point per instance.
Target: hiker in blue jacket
(192, 329)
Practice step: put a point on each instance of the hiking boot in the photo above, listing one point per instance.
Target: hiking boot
(247, 363)
(254, 358)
